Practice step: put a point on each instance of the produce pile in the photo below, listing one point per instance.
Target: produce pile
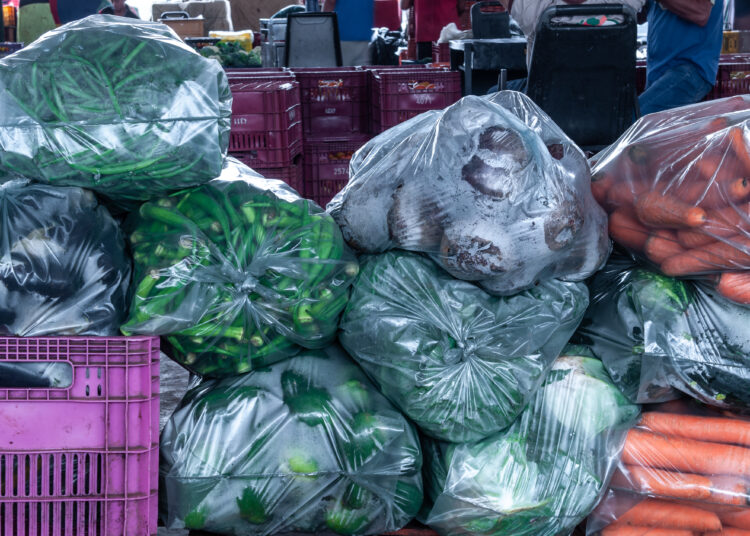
(677, 188)
(63, 268)
(492, 189)
(658, 335)
(460, 363)
(232, 54)
(307, 445)
(476, 228)
(684, 471)
(544, 474)
(237, 273)
(125, 109)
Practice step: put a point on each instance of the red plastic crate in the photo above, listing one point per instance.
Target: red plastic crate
(733, 77)
(326, 167)
(441, 52)
(335, 102)
(292, 175)
(399, 95)
(81, 460)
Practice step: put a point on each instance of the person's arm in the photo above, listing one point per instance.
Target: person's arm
(406, 4)
(329, 5)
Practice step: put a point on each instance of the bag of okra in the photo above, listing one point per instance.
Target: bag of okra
(237, 273)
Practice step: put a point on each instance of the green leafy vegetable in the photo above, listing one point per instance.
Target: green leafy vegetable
(459, 362)
(657, 335)
(544, 474)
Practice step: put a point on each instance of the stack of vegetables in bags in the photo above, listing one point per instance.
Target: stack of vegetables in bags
(673, 323)
(492, 203)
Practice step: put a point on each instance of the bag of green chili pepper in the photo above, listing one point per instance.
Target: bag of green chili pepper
(307, 445)
(461, 363)
(237, 273)
(119, 106)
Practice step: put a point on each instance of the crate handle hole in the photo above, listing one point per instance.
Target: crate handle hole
(35, 375)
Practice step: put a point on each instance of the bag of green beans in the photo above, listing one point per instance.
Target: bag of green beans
(122, 107)
(238, 273)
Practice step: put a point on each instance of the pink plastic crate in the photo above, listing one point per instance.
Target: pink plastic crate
(733, 77)
(292, 175)
(327, 167)
(398, 95)
(81, 460)
(335, 101)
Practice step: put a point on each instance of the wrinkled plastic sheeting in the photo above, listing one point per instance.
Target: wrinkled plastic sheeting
(307, 445)
(490, 187)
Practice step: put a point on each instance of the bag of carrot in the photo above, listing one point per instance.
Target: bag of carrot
(658, 336)
(684, 471)
(677, 188)
(118, 106)
(238, 273)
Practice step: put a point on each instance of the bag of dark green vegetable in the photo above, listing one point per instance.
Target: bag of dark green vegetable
(237, 273)
(460, 363)
(658, 335)
(307, 445)
(119, 106)
(543, 475)
(63, 267)
(491, 188)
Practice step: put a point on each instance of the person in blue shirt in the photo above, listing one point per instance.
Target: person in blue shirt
(683, 58)
(355, 28)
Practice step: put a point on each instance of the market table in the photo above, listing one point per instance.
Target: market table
(481, 60)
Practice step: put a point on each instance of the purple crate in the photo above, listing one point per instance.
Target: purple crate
(335, 101)
(733, 77)
(81, 459)
(291, 174)
(326, 167)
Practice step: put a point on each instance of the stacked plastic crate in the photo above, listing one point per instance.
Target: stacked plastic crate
(267, 123)
(335, 118)
(80, 455)
(399, 94)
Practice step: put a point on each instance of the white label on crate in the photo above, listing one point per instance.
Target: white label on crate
(239, 121)
(330, 111)
(340, 171)
(425, 99)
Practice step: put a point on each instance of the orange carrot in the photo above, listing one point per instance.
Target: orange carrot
(626, 230)
(723, 490)
(679, 454)
(739, 519)
(693, 238)
(737, 143)
(600, 185)
(661, 245)
(617, 529)
(735, 286)
(664, 483)
(728, 531)
(714, 429)
(731, 217)
(714, 257)
(624, 193)
(665, 514)
(712, 193)
(659, 210)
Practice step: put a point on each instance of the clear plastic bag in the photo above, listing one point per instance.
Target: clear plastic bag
(658, 335)
(543, 475)
(490, 187)
(460, 363)
(63, 265)
(237, 273)
(307, 445)
(119, 106)
(677, 190)
(684, 471)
